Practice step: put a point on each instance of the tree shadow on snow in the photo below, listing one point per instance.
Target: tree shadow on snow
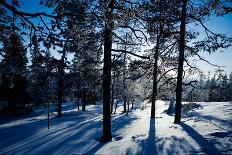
(205, 145)
(29, 134)
(69, 134)
(34, 137)
(211, 119)
(118, 123)
(15, 133)
(174, 145)
(149, 145)
(146, 143)
(152, 144)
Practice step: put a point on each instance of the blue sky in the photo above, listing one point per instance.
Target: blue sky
(32, 6)
(219, 25)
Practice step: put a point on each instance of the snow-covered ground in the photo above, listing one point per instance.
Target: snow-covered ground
(206, 130)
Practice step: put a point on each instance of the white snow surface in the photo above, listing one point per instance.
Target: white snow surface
(206, 130)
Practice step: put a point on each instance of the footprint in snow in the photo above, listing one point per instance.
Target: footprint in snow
(118, 138)
(138, 138)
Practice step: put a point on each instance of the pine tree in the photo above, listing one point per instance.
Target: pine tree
(213, 90)
(224, 96)
(180, 63)
(37, 73)
(162, 30)
(230, 87)
(108, 32)
(14, 71)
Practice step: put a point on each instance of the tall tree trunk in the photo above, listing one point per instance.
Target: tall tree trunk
(132, 103)
(47, 80)
(155, 72)
(128, 107)
(48, 115)
(112, 92)
(78, 91)
(116, 106)
(181, 63)
(60, 89)
(107, 136)
(60, 84)
(124, 84)
(84, 99)
(124, 79)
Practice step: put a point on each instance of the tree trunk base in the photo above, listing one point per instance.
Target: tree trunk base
(106, 139)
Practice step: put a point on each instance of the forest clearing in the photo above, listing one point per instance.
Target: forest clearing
(204, 130)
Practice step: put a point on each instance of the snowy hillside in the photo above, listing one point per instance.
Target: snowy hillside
(206, 130)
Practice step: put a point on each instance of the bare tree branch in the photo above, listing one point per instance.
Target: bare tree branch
(123, 41)
(165, 73)
(189, 83)
(44, 22)
(201, 58)
(170, 79)
(135, 32)
(124, 51)
(27, 20)
(191, 65)
(21, 13)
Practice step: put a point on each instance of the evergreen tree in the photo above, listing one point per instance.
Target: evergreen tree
(224, 92)
(37, 73)
(14, 72)
(180, 62)
(210, 44)
(162, 29)
(230, 87)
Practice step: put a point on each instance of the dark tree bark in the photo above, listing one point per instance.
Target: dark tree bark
(128, 107)
(112, 92)
(132, 103)
(60, 93)
(60, 84)
(78, 91)
(155, 72)
(181, 63)
(48, 115)
(106, 86)
(59, 110)
(47, 79)
(107, 136)
(116, 106)
(84, 99)
(124, 84)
